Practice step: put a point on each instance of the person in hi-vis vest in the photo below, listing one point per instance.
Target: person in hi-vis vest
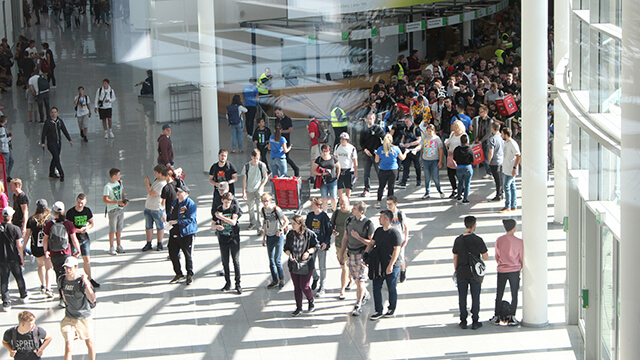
(339, 123)
(264, 86)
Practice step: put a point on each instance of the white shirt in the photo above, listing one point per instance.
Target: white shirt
(511, 149)
(83, 105)
(33, 81)
(430, 67)
(106, 96)
(345, 155)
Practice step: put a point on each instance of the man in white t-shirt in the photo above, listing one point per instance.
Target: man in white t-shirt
(154, 206)
(347, 156)
(510, 170)
(83, 112)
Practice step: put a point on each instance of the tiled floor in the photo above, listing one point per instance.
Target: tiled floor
(139, 315)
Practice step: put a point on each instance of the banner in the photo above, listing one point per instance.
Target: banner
(307, 8)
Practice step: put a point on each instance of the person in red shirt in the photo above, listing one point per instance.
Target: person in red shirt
(314, 132)
(509, 258)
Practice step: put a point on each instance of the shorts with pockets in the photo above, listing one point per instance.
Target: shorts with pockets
(76, 328)
(345, 180)
(83, 121)
(358, 270)
(153, 216)
(116, 220)
(105, 113)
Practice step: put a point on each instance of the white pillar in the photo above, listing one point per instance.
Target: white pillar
(629, 330)
(534, 160)
(208, 81)
(466, 33)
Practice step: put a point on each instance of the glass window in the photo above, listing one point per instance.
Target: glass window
(609, 182)
(609, 69)
(580, 54)
(610, 12)
(608, 294)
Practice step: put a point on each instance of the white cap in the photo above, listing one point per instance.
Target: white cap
(70, 262)
(58, 207)
(8, 211)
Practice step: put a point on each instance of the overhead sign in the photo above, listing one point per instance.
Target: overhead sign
(415, 26)
(307, 8)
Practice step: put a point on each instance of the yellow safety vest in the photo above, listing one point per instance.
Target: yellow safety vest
(400, 71)
(260, 84)
(507, 40)
(338, 120)
(499, 53)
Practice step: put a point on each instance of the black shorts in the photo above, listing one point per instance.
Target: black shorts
(345, 180)
(105, 113)
(37, 251)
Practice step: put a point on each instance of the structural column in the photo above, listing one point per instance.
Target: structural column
(208, 81)
(534, 160)
(629, 326)
(561, 23)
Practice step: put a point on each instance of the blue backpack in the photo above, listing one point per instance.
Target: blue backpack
(233, 115)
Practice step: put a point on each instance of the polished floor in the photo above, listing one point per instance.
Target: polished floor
(141, 316)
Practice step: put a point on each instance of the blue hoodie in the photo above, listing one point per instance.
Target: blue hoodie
(187, 221)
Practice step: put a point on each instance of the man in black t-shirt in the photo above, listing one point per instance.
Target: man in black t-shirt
(11, 258)
(20, 205)
(411, 137)
(464, 245)
(388, 242)
(221, 171)
(82, 218)
(26, 341)
(287, 129)
(226, 224)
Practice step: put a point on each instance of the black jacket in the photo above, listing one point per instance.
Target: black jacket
(371, 138)
(51, 132)
(463, 155)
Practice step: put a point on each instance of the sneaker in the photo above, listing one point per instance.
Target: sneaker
(442, 195)
(251, 227)
(238, 289)
(112, 251)
(49, 294)
(505, 209)
(403, 276)
(458, 198)
(513, 321)
(377, 205)
(147, 247)
(111, 134)
(348, 287)
(226, 287)
(176, 279)
(465, 201)
(453, 195)
(259, 231)
(281, 284)
(495, 320)
(487, 176)
(365, 298)
(463, 324)
(25, 299)
(357, 310)
(376, 316)
(159, 247)
(86, 139)
(314, 284)
(401, 186)
(272, 285)
(320, 293)
(120, 249)
(94, 283)
(106, 134)
(296, 312)
(389, 313)
(426, 197)
(341, 296)
(476, 325)
(6, 306)
(497, 198)
(61, 304)
(365, 193)
(43, 289)
(312, 306)
(189, 279)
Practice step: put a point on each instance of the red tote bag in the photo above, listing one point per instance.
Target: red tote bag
(478, 154)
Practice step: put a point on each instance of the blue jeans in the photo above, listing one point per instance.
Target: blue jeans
(236, 135)
(391, 280)
(330, 190)
(431, 172)
(485, 163)
(509, 191)
(279, 166)
(153, 216)
(464, 181)
(463, 287)
(274, 249)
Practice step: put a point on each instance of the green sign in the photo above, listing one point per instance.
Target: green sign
(565, 224)
(345, 35)
(374, 31)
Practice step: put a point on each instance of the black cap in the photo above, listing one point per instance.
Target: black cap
(183, 187)
(166, 126)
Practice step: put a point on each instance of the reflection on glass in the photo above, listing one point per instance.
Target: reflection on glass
(608, 295)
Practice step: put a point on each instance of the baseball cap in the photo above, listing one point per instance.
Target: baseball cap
(344, 135)
(70, 262)
(58, 207)
(183, 187)
(8, 211)
(166, 126)
(223, 185)
(42, 204)
(442, 95)
(394, 77)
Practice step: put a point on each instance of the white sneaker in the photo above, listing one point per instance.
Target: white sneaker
(120, 249)
(320, 293)
(106, 134)
(112, 251)
(111, 134)
(366, 298)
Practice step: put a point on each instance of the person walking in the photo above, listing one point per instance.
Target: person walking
(11, 258)
(287, 129)
(387, 156)
(318, 221)
(5, 145)
(255, 178)
(411, 136)
(328, 169)
(509, 249)
(275, 226)
(347, 156)
(482, 125)
(39, 87)
(165, 147)
(20, 205)
(261, 136)
(83, 112)
(279, 147)
(226, 220)
(35, 232)
(399, 223)
(370, 141)
(495, 157)
(464, 246)
(105, 96)
(82, 218)
(452, 142)
(184, 224)
(338, 229)
(301, 244)
(463, 155)
(235, 112)
(52, 132)
(339, 123)
(223, 171)
(432, 158)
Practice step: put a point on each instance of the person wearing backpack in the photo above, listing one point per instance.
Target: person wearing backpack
(255, 178)
(465, 247)
(83, 112)
(39, 87)
(104, 106)
(26, 341)
(11, 258)
(59, 233)
(35, 232)
(5, 145)
(275, 226)
(235, 112)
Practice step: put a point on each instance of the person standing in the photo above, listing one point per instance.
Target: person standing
(82, 218)
(59, 234)
(5, 145)
(339, 123)
(27, 341)
(357, 236)
(223, 171)
(338, 229)
(11, 258)
(318, 221)
(165, 146)
(83, 112)
(234, 116)
(35, 231)
(411, 138)
(184, 224)
(154, 207)
(347, 156)
(388, 242)
(226, 224)
(261, 137)
(113, 196)
(287, 129)
(52, 136)
(495, 157)
(78, 296)
(300, 245)
(510, 170)
(463, 155)
(20, 205)
(275, 226)
(52, 63)
(432, 157)
(250, 94)
(387, 155)
(39, 87)
(482, 123)
(509, 249)
(398, 222)
(255, 178)
(264, 85)
(465, 245)
(452, 142)
(327, 167)
(370, 141)
(279, 148)
(314, 132)
(104, 106)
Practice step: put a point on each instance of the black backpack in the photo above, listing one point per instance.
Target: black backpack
(34, 332)
(43, 85)
(477, 266)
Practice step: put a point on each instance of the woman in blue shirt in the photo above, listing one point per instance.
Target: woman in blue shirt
(387, 155)
(279, 149)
